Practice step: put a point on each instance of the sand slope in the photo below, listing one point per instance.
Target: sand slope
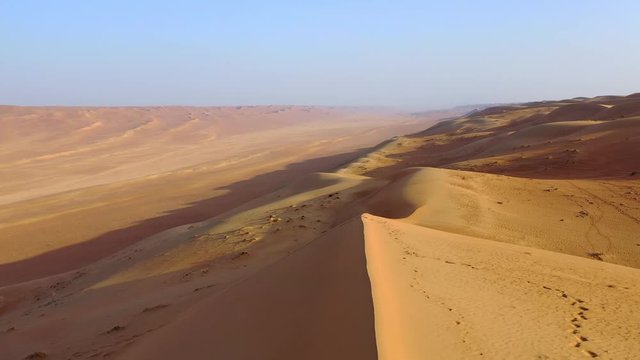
(442, 295)
(588, 218)
(314, 304)
(256, 270)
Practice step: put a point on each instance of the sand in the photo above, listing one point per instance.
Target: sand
(440, 295)
(81, 183)
(511, 232)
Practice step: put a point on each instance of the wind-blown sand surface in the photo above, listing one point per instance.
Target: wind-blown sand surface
(440, 295)
(81, 183)
(509, 233)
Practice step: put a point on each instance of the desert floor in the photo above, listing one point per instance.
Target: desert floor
(80, 183)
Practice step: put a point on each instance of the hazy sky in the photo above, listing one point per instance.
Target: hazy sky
(421, 54)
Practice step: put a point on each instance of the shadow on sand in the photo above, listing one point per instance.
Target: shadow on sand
(87, 252)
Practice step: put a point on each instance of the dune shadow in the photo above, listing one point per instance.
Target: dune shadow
(78, 255)
(306, 292)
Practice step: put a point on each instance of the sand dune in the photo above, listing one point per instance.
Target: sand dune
(315, 304)
(144, 170)
(511, 232)
(579, 111)
(442, 295)
(509, 144)
(104, 145)
(283, 240)
(577, 217)
(623, 110)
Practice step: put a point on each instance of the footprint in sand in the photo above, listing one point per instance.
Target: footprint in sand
(577, 321)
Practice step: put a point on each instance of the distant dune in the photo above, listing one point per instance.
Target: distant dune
(507, 233)
(50, 150)
(117, 175)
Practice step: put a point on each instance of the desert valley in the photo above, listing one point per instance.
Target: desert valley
(294, 232)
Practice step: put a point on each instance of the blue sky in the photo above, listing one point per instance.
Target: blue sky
(416, 54)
